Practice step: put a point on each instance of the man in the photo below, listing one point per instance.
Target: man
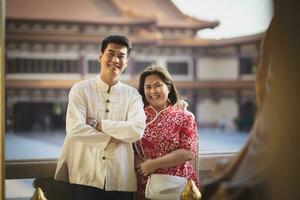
(104, 118)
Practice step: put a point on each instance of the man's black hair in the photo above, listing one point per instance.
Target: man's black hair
(118, 39)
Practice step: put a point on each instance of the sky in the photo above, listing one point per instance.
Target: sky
(236, 17)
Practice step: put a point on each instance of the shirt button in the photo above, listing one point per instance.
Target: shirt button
(103, 157)
(107, 110)
(107, 101)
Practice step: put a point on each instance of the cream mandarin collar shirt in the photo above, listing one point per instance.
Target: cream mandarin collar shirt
(87, 157)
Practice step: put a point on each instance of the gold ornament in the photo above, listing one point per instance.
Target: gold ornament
(190, 192)
(38, 195)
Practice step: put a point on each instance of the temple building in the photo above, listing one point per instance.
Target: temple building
(52, 44)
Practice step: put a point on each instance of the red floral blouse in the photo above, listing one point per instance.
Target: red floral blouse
(167, 131)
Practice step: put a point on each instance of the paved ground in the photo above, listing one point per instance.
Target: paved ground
(48, 145)
(214, 140)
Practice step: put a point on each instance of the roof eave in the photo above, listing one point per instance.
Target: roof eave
(194, 26)
(130, 22)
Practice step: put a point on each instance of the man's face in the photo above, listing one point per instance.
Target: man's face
(113, 60)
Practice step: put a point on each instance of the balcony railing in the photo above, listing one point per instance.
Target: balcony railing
(42, 170)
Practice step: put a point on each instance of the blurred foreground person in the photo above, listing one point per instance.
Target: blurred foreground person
(268, 167)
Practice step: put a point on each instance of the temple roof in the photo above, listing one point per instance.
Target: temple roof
(164, 12)
(161, 12)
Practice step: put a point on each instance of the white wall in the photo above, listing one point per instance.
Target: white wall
(212, 68)
(211, 112)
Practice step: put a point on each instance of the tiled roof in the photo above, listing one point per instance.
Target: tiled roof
(139, 37)
(163, 12)
(87, 11)
(235, 41)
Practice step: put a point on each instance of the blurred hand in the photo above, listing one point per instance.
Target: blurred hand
(182, 104)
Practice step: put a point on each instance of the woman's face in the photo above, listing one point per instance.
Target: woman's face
(156, 92)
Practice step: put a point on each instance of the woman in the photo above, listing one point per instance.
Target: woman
(170, 137)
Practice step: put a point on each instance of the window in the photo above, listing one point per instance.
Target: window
(178, 68)
(139, 66)
(30, 65)
(93, 66)
(11, 65)
(246, 66)
(73, 66)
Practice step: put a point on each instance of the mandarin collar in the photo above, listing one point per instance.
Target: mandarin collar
(150, 108)
(104, 86)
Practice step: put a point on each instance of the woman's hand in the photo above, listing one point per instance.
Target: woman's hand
(148, 167)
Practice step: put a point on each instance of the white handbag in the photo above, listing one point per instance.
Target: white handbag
(161, 186)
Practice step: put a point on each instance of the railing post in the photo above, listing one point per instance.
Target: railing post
(2, 88)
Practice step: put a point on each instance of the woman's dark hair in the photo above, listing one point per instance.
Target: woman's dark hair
(165, 76)
(118, 39)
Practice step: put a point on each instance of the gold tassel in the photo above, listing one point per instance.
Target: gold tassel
(190, 192)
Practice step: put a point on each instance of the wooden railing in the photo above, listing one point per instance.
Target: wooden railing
(45, 168)
(42, 170)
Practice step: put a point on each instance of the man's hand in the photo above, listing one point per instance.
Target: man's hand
(89, 120)
(112, 139)
(98, 127)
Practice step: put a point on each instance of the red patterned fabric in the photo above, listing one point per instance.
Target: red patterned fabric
(167, 131)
